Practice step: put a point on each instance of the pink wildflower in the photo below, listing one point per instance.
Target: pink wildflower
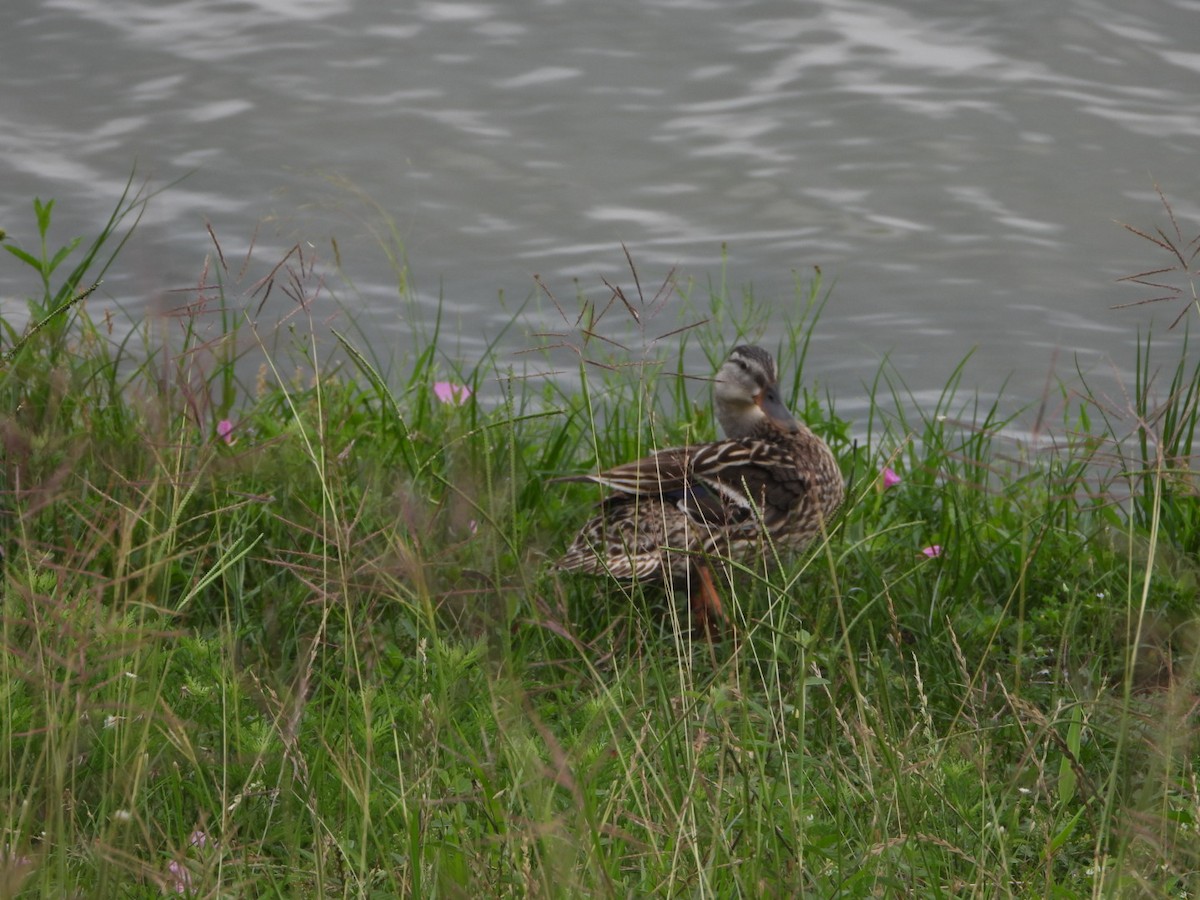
(889, 477)
(225, 431)
(180, 878)
(449, 392)
(932, 551)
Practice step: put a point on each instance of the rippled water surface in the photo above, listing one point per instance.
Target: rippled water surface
(956, 170)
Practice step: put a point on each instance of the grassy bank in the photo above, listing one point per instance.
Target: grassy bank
(275, 625)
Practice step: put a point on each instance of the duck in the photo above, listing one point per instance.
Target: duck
(771, 485)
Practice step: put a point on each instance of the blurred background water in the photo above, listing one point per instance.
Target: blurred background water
(956, 170)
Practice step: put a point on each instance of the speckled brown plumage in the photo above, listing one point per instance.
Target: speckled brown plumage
(770, 485)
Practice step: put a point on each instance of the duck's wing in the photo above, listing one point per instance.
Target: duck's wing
(662, 473)
(746, 480)
(717, 484)
(745, 472)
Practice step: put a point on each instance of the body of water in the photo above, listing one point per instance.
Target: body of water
(957, 170)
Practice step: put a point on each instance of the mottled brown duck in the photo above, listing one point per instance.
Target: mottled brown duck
(770, 486)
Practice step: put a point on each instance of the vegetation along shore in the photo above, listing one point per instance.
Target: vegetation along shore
(281, 620)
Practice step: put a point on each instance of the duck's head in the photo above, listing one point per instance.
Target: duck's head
(746, 392)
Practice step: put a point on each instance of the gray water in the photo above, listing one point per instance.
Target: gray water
(957, 170)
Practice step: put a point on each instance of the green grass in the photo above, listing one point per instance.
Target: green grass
(330, 657)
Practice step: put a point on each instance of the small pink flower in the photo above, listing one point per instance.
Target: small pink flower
(449, 392)
(932, 551)
(198, 839)
(473, 527)
(225, 431)
(890, 478)
(180, 877)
